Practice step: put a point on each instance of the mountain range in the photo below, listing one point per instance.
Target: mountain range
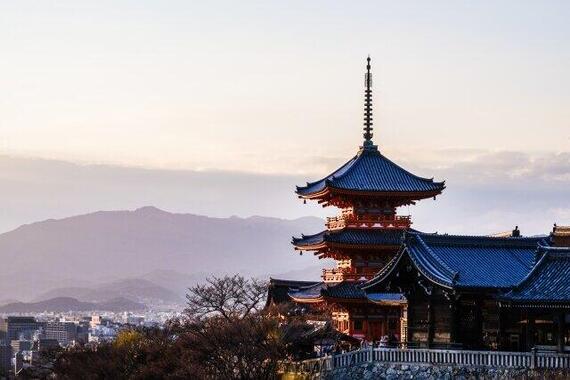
(63, 304)
(147, 255)
(135, 289)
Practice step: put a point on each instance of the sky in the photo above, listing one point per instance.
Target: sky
(476, 93)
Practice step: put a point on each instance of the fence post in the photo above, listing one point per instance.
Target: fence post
(533, 358)
(370, 354)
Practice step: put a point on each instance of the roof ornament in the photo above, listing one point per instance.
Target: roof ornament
(516, 232)
(368, 107)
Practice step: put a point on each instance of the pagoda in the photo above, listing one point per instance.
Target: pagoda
(364, 237)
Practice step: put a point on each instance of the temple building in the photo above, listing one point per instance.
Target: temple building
(365, 236)
(481, 292)
(505, 292)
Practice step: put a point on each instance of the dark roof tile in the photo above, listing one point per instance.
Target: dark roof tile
(345, 290)
(352, 236)
(467, 261)
(370, 171)
(548, 282)
(278, 290)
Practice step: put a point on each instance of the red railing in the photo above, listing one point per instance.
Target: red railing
(368, 221)
(348, 274)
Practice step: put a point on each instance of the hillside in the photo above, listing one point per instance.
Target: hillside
(63, 304)
(92, 250)
(139, 290)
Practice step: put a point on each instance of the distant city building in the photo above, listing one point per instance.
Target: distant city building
(136, 320)
(64, 332)
(5, 358)
(102, 334)
(47, 344)
(96, 320)
(21, 345)
(82, 335)
(12, 327)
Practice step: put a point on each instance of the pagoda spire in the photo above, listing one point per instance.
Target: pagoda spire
(368, 106)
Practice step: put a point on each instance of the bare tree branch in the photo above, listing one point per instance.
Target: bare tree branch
(229, 297)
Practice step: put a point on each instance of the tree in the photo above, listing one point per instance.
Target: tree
(229, 297)
(136, 354)
(225, 334)
(239, 348)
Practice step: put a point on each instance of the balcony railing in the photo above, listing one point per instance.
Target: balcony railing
(348, 274)
(499, 359)
(368, 221)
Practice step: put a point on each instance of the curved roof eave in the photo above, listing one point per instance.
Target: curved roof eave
(425, 269)
(548, 253)
(307, 300)
(428, 272)
(299, 189)
(385, 272)
(415, 195)
(373, 162)
(351, 238)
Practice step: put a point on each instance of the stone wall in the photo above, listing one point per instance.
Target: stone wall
(397, 371)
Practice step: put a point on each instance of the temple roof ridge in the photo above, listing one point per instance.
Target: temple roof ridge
(548, 281)
(486, 240)
(341, 290)
(440, 265)
(468, 261)
(331, 175)
(385, 271)
(351, 236)
(370, 171)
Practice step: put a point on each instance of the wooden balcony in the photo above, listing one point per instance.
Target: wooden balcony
(368, 221)
(348, 274)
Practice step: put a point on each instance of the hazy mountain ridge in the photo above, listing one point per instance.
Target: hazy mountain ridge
(169, 251)
(64, 304)
(138, 290)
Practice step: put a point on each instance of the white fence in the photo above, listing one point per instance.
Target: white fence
(532, 359)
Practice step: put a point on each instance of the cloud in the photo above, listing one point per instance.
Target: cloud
(494, 191)
(486, 191)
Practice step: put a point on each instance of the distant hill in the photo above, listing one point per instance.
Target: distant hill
(172, 251)
(62, 304)
(175, 281)
(139, 290)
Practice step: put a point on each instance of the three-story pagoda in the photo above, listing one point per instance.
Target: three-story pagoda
(364, 237)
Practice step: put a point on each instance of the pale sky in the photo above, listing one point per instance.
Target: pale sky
(276, 87)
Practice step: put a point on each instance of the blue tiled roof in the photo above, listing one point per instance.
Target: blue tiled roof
(352, 236)
(370, 171)
(548, 282)
(386, 297)
(345, 290)
(467, 261)
(312, 292)
(278, 290)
